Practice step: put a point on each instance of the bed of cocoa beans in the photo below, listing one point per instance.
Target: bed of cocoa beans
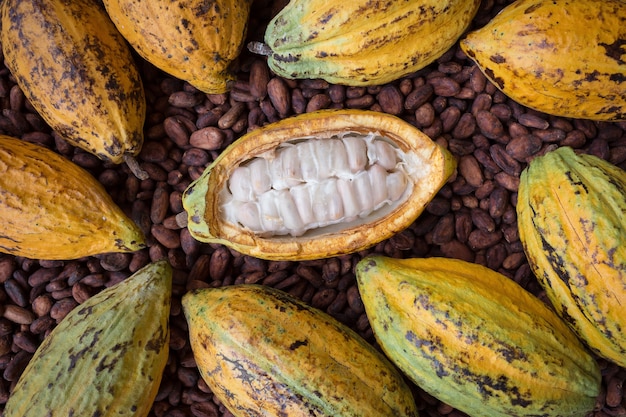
(472, 218)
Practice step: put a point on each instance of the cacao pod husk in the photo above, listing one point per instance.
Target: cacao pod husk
(361, 43)
(53, 209)
(77, 71)
(475, 339)
(424, 165)
(195, 41)
(564, 58)
(570, 214)
(264, 353)
(106, 357)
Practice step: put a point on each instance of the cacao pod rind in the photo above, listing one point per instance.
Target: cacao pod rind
(536, 52)
(429, 167)
(362, 42)
(195, 41)
(262, 352)
(571, 216)
(475, 339)
(106, 357)
(53, 209)
(77, 71)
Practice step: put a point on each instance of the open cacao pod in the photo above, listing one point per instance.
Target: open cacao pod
(317, 185)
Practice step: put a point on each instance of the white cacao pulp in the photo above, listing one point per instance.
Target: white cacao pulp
(309, 185)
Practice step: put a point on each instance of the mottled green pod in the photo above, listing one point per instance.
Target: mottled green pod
(475, 339)
(264, 353)
(571, 213)
(106, 357)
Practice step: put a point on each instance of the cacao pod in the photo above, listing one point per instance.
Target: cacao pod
(317, 185)
(195, 41)
(571, 218)
(362, 42)
(565, 58)
(53, 209)
(264, 353)
(475, 339)
(77, 71)
(106, 357)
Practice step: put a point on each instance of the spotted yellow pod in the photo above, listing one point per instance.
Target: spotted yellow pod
(264, 353)
(77, 71)
(195, 41)
(565, 57)
(362, 42)
(570, 214)
(475, 339)
(53, 209)
(316, 185)
(106, 357)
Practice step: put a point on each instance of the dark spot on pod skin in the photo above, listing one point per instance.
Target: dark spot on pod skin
(497, 58)
(499, 81)
(615, 50)
(298, 343)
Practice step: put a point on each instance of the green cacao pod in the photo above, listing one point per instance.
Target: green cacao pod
(77, 71)
(264, 353)
(362, 42)
(106, 357)
(475, 339)
(571, 213)
(561, 57)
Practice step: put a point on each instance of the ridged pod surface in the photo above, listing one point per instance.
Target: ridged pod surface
(571, 214)
(53, 209)
(264, 353)
(196, 41)
(106, 357)
(563, 57)
(363, 42)
(302, 214)
(77, 71)
(475, 339)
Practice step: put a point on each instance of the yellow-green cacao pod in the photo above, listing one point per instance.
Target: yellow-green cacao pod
(317, 185)
(264, 353)
(362, 42)
(106, 357)
(563, 57)
(53, 209)
(475, 339)
(77, 71)
(196, 41)
(571, 214)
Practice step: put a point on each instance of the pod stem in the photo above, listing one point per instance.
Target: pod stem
(134, 167)
(259, 48)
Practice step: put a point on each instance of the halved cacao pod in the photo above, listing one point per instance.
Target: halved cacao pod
(196, 41)
(362, 42)
(53, 209)
(475, 339)
(106, 357)
(563, 57)
(264, 353)
(571, 217)
(317, 185)
(77, 71)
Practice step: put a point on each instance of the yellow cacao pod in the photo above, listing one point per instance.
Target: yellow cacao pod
(564, 57)
(196, 41)
(264, 353)
(106, 357)
(53, 209)
(317, 185)
(362, 42)
(570, 214)
(77, 72)
(475, 339)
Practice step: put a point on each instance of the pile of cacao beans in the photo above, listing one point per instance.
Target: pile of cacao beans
(472, 218)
